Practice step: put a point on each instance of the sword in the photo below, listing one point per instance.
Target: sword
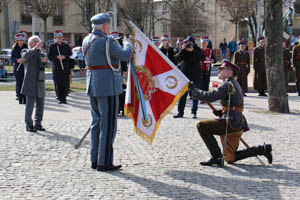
(19, 66)
(81, 140)
(61, 63)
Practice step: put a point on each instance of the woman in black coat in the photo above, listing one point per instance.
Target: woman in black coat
(18, 68)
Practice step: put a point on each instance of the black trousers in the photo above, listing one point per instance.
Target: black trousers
(61, 84)
(205, 81)
(19, 83)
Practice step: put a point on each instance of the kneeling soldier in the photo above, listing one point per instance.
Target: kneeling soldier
(229, 93)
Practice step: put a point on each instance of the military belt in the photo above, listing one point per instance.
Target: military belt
(102, 67)
(233, 108)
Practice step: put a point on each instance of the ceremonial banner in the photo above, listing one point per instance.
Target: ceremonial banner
(161, 83)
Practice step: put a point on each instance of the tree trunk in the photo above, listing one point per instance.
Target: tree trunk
(278, 101)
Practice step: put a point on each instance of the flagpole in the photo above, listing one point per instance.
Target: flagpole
(157, 49)
(138, 87)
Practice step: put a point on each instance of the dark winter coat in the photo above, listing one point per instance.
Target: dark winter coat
(260, 79)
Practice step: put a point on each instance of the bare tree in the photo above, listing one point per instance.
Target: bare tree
(89, 8)
(186, 18)
(239, 11)
(278, 101)
(140, 12)
(3, 3)
(43, 9)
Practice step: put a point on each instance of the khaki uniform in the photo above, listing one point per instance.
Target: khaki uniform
(242, 59)
(260, 78)
(296, 64)
(286, 65)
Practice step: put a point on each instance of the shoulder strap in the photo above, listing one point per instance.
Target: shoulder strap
(90, 44)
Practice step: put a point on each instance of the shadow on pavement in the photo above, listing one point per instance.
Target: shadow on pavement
(261, 128)
(161, 189)
(238, 186)
(65, 138)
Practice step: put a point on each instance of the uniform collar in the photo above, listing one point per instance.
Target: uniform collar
(98, 32)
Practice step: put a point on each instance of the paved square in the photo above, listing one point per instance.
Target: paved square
(45, 165)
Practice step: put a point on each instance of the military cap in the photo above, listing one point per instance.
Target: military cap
(114, 34)
(226, 63)
(261, 39)
(25, 33)
(20, 36)
(155, 38)
(179, 41)
(58, 33)
(204, 38)
(100, 19)
(242, 43)
(164, 37)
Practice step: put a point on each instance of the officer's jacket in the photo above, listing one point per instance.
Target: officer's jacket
(64, 50)
(104, 82)
(236, 119)
(16, 54)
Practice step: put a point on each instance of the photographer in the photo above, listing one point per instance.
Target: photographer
(34, 83)
(189, 58)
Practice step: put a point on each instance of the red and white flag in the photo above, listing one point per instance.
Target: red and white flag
(162, 84)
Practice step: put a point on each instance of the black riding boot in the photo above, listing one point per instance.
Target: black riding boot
(254, 151)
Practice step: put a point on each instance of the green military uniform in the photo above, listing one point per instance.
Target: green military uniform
(237, 121)
(296, 64)
(260, 78)
(242, 59)
(286, 65)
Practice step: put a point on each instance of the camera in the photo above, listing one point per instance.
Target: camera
(188, 45)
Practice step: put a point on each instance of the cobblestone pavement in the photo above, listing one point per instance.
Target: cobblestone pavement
(45, 165)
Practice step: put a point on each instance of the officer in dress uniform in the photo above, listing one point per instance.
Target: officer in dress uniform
(104, 84)
(260, 78)
(296, 66)
(165, 47)
(242, 59)
(209, 58)
(59, 54)
(237, 122)
(286, 64)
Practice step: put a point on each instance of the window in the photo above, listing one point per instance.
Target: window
(58, 19)
(26, 16)
(164, 27)
(164, 8)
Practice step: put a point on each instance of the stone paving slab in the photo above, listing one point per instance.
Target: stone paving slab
(45, 165)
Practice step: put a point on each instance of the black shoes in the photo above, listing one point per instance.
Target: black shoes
(62, 102)
(30, 128)
(213, 161)
(94, 165)
(39, 128)
(179, 115)
(194, 116)
(108, 168)
(262, 94)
